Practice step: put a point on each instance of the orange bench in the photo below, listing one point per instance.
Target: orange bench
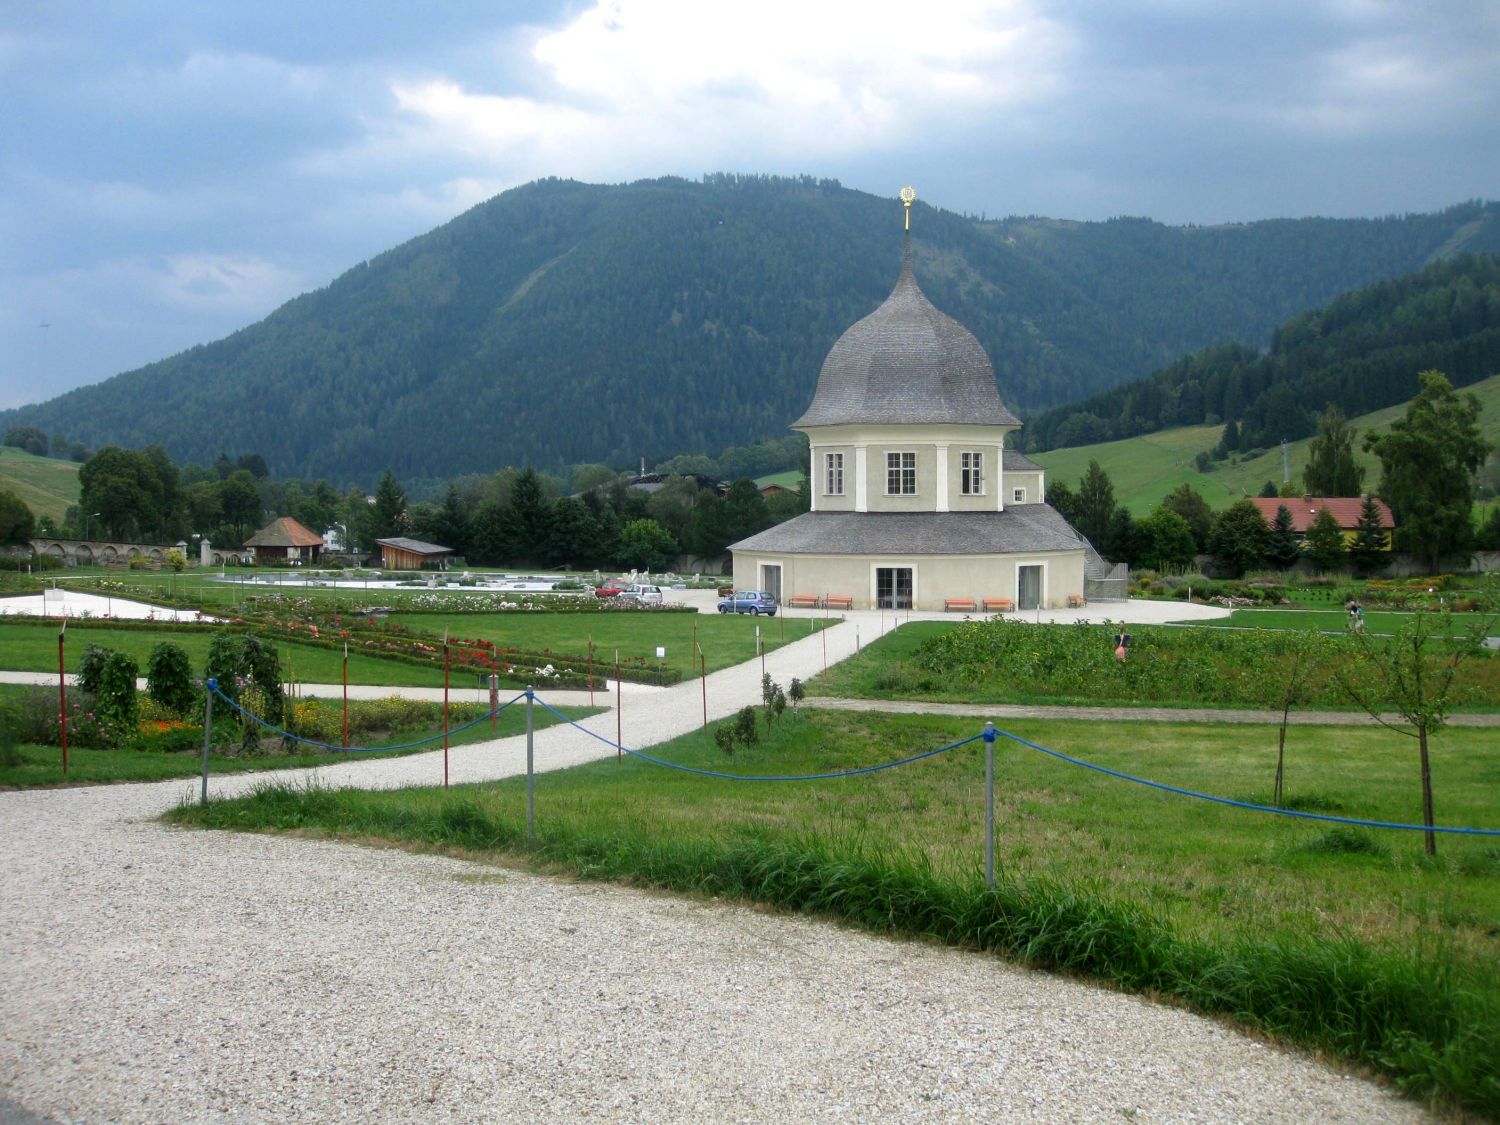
(955, 605)
(998, 605)
(1075, 601)
(838, 601)
(802, 601)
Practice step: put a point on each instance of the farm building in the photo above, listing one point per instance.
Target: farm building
(1344, 509)
(284, 540)
(412, 554)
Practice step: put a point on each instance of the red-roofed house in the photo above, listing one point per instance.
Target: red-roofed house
(1305, 509)
(285, 540)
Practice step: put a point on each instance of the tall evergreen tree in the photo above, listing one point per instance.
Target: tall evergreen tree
(1095, 505)
(1371, 545)
(1428, 459)
(388, 517)
(1331, 468)
(525, 525)
(1325, 543)
(1282, 548)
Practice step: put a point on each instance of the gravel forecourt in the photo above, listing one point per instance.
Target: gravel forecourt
(151, 974)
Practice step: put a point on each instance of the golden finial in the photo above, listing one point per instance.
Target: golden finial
(907, 195)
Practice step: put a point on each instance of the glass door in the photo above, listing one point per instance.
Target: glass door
(893, 587)
(1028, 587)
(770, 580)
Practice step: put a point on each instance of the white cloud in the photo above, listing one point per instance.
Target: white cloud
(632, 87)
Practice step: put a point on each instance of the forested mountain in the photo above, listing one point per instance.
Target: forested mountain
(563, 322)
(1361, 352)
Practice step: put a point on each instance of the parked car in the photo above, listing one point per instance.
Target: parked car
(610, 588)
(753, 602)
(647, 595)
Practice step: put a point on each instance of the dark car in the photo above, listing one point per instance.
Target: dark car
(610, 588)
(753, 602)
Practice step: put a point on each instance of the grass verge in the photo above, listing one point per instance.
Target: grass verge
(1330, 938)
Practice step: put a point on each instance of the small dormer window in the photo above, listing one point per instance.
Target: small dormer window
(1018, 496)
(901, 474)
(971, 473)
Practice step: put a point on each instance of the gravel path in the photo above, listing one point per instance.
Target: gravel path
(150, 974)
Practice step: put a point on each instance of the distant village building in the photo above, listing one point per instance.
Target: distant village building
(915, 503)
(284, 540)
(1344, 509)
(412, 554)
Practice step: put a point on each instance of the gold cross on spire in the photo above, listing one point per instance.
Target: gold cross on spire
(907, 195)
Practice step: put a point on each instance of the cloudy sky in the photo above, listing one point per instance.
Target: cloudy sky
(172, 171)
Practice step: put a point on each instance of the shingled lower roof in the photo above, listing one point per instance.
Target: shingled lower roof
(1022, 528)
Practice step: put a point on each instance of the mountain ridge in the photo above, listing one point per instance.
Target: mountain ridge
(562, 322)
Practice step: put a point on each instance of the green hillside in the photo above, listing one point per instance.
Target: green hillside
(1358, 352)
(563, 323)
(1145, 469)
(45, 485)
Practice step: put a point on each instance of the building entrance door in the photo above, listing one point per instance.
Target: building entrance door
(893, 587)
(770, 580)
(1028, 587)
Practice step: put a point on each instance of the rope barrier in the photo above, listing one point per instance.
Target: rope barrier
(1296, 813)
(745, 777)
(361, 749)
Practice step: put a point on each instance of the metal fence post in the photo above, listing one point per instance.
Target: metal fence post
(530, 769)
(990, 735)
(209, 686)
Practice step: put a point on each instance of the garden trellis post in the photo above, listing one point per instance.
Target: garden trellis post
(209, 686)
(62, 694)
(530, 766)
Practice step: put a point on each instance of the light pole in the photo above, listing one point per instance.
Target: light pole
(86, 522)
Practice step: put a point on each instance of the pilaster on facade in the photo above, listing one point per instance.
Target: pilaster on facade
(942, 478)
(861, 488)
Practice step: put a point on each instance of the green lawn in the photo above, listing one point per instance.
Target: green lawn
(1341, 938)
(725, 639)
(1013, 662)
(33, 648)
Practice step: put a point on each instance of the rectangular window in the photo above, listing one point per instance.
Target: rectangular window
(971, 473)
(833, 484)
(901, 474)
(1018, 496)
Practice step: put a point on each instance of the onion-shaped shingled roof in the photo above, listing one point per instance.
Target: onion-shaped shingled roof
(906, 363)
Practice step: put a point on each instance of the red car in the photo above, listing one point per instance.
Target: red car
(611, 588)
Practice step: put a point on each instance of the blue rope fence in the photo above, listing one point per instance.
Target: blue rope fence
(360, 749)
(1119, 775)
(1295, 813)
(759, 777)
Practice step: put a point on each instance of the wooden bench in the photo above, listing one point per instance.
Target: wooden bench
(1075, 601)
(998, 605)
(838, 601)
(802, 601)
(958, 605)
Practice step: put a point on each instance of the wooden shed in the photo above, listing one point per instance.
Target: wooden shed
(412, 554)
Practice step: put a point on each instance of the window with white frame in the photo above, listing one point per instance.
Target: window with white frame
(1018, 496)
(900, 474)
(971, 473)
(833, 480)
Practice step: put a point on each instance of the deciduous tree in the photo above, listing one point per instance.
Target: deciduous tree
(1331, 469)
(1239, 537)
(1428, 459)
